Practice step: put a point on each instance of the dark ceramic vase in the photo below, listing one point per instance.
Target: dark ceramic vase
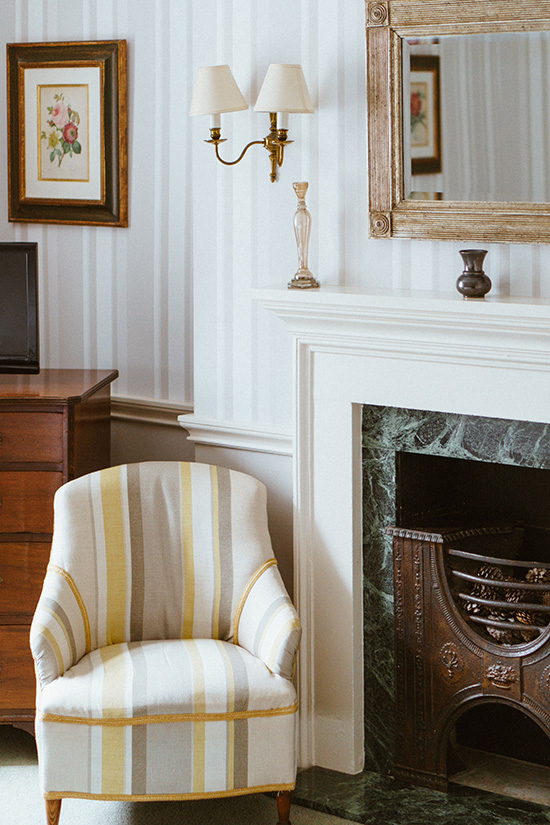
(473, 283)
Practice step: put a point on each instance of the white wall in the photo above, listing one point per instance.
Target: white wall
(124, 297)
(121, 297)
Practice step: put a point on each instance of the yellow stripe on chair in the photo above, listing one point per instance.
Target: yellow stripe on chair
(113, 738)
(115, 557)
(230, 724)
(188, 557)
(47, 634)
(277, 651)
(217, 560)
(199, 730)
(61, 625)
(54, 568)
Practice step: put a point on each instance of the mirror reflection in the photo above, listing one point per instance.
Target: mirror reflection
(476, 110)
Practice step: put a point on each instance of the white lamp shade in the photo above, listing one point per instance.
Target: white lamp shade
(284, 90)
(216, 91)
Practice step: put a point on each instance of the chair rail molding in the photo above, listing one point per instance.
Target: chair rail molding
(243, 437)
(148, 410)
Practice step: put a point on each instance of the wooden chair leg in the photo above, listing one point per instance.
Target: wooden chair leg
(283, 807)
(53, 810)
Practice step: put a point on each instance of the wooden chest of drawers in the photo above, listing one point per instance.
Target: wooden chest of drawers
(54, 426)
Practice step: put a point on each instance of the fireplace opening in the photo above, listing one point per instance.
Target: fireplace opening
(497, 748)
(438, 491)
(501, 582)
(471, 551)
(500, 729)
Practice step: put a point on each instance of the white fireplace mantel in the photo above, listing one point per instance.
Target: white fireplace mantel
(419, 350)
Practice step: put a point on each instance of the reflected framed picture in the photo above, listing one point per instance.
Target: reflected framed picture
(426, 196)
(67, 132)
(425, 115)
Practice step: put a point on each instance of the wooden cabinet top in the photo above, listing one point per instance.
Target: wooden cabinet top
(62, 386)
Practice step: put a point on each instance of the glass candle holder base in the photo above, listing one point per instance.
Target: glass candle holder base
(303, 280)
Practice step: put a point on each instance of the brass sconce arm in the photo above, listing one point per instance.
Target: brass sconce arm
(283, 91)
(216, 140)
(274, 142)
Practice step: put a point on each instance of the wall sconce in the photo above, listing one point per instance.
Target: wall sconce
(283, 92)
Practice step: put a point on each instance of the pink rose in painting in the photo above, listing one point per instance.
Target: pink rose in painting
(60, 114)
(70, 133)
(416, 104)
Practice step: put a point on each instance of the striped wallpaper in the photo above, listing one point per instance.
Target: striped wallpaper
(168, 301)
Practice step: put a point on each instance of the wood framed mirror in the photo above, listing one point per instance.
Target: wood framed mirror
(493, 183)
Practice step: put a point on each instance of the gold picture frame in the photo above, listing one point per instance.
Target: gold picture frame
(67, 133)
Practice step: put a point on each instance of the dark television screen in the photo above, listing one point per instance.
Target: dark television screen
(19, 308)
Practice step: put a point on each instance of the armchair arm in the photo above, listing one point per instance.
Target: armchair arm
(266, 623)
(60, 630)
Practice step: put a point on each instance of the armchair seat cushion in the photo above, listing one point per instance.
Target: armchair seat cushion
(169, 680)
(172, 719)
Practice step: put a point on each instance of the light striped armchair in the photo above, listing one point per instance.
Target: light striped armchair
(164, 641)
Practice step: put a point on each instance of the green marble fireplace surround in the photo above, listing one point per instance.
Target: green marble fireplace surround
(389, 433)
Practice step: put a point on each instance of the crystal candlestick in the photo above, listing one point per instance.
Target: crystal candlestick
(302, 227)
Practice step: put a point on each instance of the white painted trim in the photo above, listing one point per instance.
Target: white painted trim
(429, 327)
(147, 410)
(220, 434)
(489, 358)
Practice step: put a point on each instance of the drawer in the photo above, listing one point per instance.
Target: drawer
(31, 436)
(17, 679)
(27, 501)
(22, 570)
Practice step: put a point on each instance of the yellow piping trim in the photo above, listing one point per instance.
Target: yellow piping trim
(70, 581)
(245, 594)
(168, 717)
(172, 717)
(169, 797)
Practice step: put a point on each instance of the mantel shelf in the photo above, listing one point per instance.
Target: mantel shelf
(440, 325)
(401, 300)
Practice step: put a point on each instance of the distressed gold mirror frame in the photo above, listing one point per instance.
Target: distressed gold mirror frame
(391, 215)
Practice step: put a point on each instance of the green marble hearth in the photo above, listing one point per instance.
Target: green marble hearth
(387, 432)
(377, 799)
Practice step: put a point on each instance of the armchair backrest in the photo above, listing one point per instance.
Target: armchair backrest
(158, 550)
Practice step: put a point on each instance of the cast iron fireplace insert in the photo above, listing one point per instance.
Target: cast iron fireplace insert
(471, 559)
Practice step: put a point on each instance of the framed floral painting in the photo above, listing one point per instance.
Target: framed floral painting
(67, 132)
(425, 115)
